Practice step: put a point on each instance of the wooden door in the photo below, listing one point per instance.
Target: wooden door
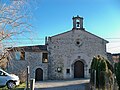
(39, 74)
(78, 69)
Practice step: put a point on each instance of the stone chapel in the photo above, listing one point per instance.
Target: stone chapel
(71, 52)
(64, 56)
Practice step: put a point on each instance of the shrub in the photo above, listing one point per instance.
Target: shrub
(103, 69)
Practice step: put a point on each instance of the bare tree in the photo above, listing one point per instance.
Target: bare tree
(13, 24)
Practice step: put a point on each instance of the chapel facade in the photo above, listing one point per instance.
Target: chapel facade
(71, 52)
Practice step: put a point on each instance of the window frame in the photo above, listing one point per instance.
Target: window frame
(44, 57)
(68, 71)
(20, 55)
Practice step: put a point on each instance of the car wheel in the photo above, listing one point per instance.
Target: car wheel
(10, 85)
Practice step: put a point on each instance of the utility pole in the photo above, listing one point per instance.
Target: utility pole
(28, 72)
(94, 79)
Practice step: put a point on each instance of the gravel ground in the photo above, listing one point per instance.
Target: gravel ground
(82, 84)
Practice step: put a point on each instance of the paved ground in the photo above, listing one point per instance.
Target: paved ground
(62, 85)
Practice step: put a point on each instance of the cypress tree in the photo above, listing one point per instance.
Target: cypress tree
(103, 69)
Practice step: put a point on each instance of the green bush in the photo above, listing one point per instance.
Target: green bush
(110, 67)
(103, 69)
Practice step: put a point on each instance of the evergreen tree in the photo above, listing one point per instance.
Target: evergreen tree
(103, 69)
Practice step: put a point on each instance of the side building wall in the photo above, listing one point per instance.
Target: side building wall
(33, 60)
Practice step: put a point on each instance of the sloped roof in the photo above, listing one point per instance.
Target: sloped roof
(36, 48)
(83, 31)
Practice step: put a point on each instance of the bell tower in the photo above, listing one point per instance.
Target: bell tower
(78, 23)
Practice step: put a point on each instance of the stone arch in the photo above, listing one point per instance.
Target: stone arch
(78, 69)
(39, 74)
(82, 60)
(80, 57)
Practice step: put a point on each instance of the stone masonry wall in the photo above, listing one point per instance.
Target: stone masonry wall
(33, 60)
(72, 46)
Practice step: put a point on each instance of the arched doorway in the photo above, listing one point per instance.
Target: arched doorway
(39, 74)
(78, 69)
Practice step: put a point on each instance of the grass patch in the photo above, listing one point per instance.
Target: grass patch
(20, 87)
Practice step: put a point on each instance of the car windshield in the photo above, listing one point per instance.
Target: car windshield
(3, 73)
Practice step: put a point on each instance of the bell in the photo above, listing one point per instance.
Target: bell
(78, 24)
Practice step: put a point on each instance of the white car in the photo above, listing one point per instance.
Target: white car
(10, 80)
